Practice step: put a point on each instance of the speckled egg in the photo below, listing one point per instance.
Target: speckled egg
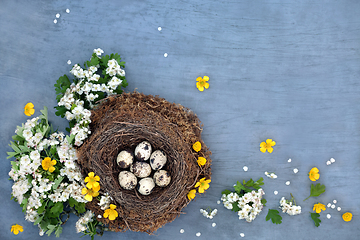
(158, 160)
(127, 180)
(141, 169)
(162, 178)
(143, 151)
(145, 186)
(125, 158)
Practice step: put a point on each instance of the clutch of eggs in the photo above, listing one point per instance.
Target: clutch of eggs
(141, 169)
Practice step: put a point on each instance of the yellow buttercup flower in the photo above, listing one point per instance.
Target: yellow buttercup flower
(191, 194)
(201, 161)
(29, 109)
(111, 212)
(16, 229)
(202, 83)
(267, 146)
(314, 174)
(347, 217)
(203, 185)
(47, 164)
(318, 207)
(92, 180)
(90, 192)
(197, 146)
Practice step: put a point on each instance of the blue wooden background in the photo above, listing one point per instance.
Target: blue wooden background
(286, 70)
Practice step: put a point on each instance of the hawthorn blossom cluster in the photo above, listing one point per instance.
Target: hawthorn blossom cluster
(32, 184)
(88, 86)
(82, 224)
(249, 204)
(289, 208)
(209, 214)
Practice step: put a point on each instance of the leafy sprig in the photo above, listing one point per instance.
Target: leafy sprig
(246, 186)
(316, 190)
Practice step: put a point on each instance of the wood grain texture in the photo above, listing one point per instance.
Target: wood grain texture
(286, 70)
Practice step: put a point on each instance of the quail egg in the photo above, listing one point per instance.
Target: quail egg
(162, 178)
(145, 186)
(143, 151)
(125, 158)
(141, 169)
(157, 159)
(127, 180)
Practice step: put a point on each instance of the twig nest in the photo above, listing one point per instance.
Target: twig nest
(127, 180)
(158, 160)
(162, 178)
(141, 169)
(125, 158)
(143, 151)
(145, 186)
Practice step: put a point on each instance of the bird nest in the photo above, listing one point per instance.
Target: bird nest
(122, 122)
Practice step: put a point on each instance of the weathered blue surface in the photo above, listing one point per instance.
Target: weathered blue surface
(282, 70)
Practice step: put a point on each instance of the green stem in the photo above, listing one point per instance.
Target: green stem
(307, 198)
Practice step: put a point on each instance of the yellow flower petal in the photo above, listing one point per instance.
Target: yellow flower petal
(268, 141)
(112, 206)
(191, 195)
(201, 190)
(96, 188)
(270, 149)
(206, 78)
(199, 79)
(51, 169)
(88, 197)
(197, 184)
(206, 85)
(263, 149)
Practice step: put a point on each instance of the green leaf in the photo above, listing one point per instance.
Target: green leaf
(315, 218)
(18, 138)
(226, 192)
(45, 115)
(80, 207)
(58, 231)
(72, 202)
(14, 147)
(316, 190)
(94, 61)
(62, 84)
(274, 216)
(57, 208)
(70, 138)
(15, 165)
(24, 148)
(42, 208)
(24, 204)
(57, 182)
(61, 110)
(235, 207)
(11, 154)
(238, 187)
(263, 201)
(39, 220)
(51, 227)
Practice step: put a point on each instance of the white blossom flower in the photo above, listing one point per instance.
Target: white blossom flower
(98, 51)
